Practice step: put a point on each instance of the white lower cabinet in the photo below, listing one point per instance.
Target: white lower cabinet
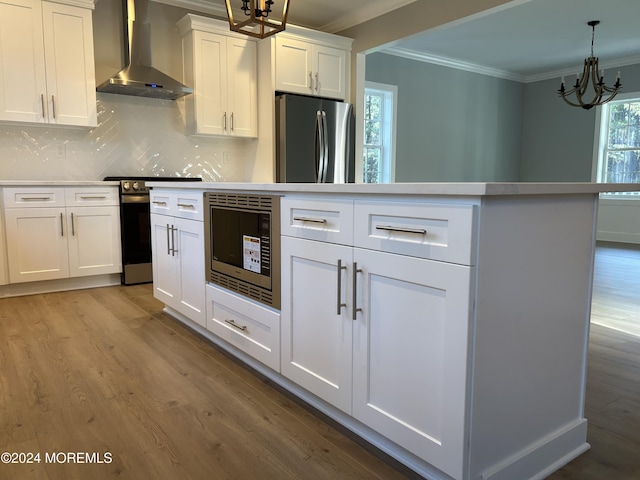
(37, 244)
(381, 336)
(4, 274)
(177, 246)
(55, 232)
(410, 353)
(317, 329)
(247, 325)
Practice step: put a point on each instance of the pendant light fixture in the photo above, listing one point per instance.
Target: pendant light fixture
(258, 24)
(590, 74)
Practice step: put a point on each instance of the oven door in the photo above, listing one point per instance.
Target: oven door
(136, 239)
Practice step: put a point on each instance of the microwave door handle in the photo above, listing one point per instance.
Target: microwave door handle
(325, 153)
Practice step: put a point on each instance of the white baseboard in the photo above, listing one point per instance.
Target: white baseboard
(63, 284)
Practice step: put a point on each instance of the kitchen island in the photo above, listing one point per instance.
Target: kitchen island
(446, 324)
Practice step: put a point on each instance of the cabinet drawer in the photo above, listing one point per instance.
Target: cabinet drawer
(91, 196)
(15, 197)
(443, 232)
(246, 325)
(326, 220)
(177, 203)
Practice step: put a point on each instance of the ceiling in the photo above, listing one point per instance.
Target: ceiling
(530, 40)
(524, 40)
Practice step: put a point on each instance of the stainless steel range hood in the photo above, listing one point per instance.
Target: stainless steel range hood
(139, 78)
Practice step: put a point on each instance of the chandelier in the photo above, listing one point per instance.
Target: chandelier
(258, 24)
(591, 73)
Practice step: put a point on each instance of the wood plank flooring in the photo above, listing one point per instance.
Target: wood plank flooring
(105, 371)
(612, 403)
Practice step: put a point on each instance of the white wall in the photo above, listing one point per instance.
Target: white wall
(135, 136)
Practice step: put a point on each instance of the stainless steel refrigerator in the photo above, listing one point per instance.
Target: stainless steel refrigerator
(314, 140)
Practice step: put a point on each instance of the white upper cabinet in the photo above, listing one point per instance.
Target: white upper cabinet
(222, 68)
(308, 67)
(47, 72)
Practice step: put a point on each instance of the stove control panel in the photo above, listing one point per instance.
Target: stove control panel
(134, 186)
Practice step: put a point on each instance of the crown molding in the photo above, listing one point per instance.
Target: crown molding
(364, 15)
(202, 6)
(570, 72)
(471, 67)
(451, 63)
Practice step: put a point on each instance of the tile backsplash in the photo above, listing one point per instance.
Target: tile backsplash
(135, 136)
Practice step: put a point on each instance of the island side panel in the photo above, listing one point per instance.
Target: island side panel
(534, 282)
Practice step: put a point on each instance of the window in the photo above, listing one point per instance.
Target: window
(379, 132)
(618, 141)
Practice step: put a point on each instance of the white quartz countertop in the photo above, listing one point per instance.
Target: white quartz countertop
(462, 189)
(54, 183)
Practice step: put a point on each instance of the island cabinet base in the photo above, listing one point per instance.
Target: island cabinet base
(515, 324)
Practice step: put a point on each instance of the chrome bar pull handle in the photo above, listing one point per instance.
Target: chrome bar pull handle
(35, 199)
(42, 102)
(95, 197)
(168, 241)
(356, 271)
(183, 205)
(311, 81)
(309, 219)
(53, 106)
(317, 82)
(389, 228)
(225, 121)
(73, 227)
(156, 202)
(234, 324)
(232, 121)
(174, 250)
(339, 302)
(61, 225)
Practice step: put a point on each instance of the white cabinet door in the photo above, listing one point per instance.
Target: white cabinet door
(331, 64)
(223, 72)
(70, 67)
(294, 67)
(166, 279)
(189, 246)
(177, 246)
(242, 87)
(36, 244)
(4, 273)
(316, 331)
(22, 67)
(310, 69)
(410, 354)
(47, 69)
(94, 240)
(210, 83)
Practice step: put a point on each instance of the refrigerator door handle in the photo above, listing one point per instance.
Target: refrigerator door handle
(317, 148)
(325, 147)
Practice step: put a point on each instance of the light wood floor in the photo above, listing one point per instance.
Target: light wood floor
(104, 370)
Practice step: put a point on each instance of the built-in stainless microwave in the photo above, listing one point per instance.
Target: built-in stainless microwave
(242, 235)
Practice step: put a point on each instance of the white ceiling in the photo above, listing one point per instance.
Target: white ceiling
(525, 40)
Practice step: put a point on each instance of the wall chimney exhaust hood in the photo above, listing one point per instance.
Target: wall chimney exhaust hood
(138, 77)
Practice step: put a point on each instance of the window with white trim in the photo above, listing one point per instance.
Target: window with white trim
(380, 102)
(618, 141)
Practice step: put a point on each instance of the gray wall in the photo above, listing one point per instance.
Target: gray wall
(452, 125)
(557, 139)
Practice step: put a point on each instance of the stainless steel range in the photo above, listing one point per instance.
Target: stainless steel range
(135, 229)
